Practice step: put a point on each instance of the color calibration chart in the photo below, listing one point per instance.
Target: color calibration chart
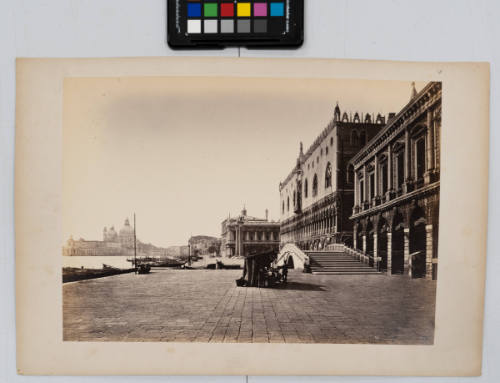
(219, 23)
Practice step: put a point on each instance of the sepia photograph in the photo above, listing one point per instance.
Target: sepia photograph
(250, 210)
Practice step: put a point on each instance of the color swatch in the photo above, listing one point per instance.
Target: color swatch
(220, 16)
(235, 22)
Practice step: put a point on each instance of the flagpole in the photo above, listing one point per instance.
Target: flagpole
(135, 248)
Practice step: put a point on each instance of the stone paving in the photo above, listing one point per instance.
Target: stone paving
(206, 306)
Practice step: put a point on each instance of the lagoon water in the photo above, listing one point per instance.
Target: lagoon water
(96, 262)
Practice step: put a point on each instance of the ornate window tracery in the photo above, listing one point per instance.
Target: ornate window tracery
(328, 175)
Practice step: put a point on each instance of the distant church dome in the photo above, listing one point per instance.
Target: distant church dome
(127, 234)
(126, 227)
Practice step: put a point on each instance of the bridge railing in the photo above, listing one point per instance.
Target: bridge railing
(289, 250)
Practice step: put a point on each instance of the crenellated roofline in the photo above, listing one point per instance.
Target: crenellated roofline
(337, 120)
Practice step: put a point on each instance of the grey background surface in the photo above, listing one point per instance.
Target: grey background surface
(424, 30)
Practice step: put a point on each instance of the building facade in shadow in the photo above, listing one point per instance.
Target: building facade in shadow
(396, 189)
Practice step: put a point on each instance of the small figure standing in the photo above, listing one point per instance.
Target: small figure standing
(285, 272)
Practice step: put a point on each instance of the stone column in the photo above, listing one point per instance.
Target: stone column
(407, 168)
(389, 252)
(356, 189)
(428, 251)
(389, 168)
(407, 260)
(238, 241)
(366, 184)
(375, 250)
(407, 155)
(355, 236)
(430, 148)
(376, 178)
(364, 243)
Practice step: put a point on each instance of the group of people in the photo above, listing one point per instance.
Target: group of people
(258, 271)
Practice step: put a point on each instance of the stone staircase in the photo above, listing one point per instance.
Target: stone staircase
(338, 263)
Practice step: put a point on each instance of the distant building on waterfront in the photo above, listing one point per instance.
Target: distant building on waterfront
(113, 243)
(245, 235)
(317, 196)
(204, 245)
(177, 251)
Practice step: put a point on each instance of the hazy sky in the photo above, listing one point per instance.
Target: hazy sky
(183, 153)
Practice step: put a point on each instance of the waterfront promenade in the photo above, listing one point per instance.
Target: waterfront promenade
(206, 306)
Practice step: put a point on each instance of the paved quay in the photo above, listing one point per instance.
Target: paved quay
(206, 306)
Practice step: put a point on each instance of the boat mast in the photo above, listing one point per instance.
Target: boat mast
(135, 247)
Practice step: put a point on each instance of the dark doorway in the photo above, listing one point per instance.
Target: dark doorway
(417, 244)
(382, 245)
(398, 245)
(369, 241)
(289, 263)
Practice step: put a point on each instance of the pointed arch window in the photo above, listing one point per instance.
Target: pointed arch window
(354, 137)
(362, 138)
(306, 188)
(315, 186)
(328, 175)
(287, 203)
(420, 158)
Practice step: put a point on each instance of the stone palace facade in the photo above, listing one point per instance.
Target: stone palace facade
(396, 184)
(317, 196)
